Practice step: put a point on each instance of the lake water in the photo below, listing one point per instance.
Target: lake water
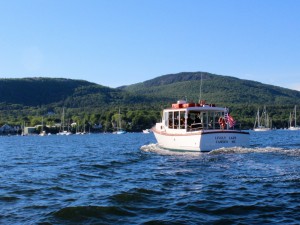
(127, 179)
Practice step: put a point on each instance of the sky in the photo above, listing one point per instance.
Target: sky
(123, 42)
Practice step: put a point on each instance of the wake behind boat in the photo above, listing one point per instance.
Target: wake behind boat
(198, 127)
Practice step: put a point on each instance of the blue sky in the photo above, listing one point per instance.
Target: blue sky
(121, 42)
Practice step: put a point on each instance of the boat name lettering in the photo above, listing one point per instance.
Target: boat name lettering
(220, 137)
(224, 139)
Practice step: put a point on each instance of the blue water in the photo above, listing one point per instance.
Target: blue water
(128, 179)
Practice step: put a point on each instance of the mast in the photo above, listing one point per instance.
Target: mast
(257, 120)
(200, 94)
(119, 125)
(295, 116)
(63, 120)
(42, 125)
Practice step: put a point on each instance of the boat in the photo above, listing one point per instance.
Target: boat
(63, 131)
(293, 118)
(119, 125)
(42, 133)
(262, 122)
(146, 131)
(198, 127)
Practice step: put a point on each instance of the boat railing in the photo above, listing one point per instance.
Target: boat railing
(195, 127)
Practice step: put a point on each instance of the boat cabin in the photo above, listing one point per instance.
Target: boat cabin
(194, 117)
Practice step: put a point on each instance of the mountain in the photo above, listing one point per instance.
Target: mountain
(165, 89)
(215, 89)
(29, 99)
(34, 92)
(38, 91)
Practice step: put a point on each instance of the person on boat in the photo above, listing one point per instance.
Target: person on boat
(210, 124)
(182, 125)
(198, 120)
(170, 123)
(222, 122)
(189, 120)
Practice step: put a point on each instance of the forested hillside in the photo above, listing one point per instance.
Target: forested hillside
(31, 99)
(243, 97)
(215, 88)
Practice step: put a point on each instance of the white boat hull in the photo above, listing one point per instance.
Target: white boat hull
(262, 129)
(294, 128)
(120, 132)
(203, 141)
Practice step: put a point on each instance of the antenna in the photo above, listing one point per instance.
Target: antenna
(200, 89)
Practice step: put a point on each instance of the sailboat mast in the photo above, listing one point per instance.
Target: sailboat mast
(258, 118)
(119, 126)
(63, 119)
(200, 94)
(295, 116)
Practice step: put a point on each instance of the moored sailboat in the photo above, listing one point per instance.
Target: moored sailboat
(119, 125)
(43, 132)
(63, 131)
(293, 120)
(262, 122)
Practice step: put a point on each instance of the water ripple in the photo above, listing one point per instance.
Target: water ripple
(112, 179)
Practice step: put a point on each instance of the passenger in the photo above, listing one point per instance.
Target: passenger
(197, 119)
(197, 122)
(189, 120)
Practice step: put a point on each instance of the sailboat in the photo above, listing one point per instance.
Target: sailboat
(293, 118)
(43, 133)
(119, 125)
(63, 131)
(262, 122)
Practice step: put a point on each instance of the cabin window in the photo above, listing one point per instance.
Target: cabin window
(213, 120)
(176, 120)
(204, 119)
(194, 120)
(166, 119)
(182, 120)
(170, 120)
(217, 116)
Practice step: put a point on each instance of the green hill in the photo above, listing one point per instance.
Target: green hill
(37, 91)
(58, 92)
(215, 89)
(29, 99)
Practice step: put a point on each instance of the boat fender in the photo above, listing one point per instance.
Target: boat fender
(222, 122)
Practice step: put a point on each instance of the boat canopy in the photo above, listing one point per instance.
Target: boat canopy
(193, 117)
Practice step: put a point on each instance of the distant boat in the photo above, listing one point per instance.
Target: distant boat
(262, 122)
(43, 133)
(63, 132)
(293, 118)
(146, 131)
(119, 126)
